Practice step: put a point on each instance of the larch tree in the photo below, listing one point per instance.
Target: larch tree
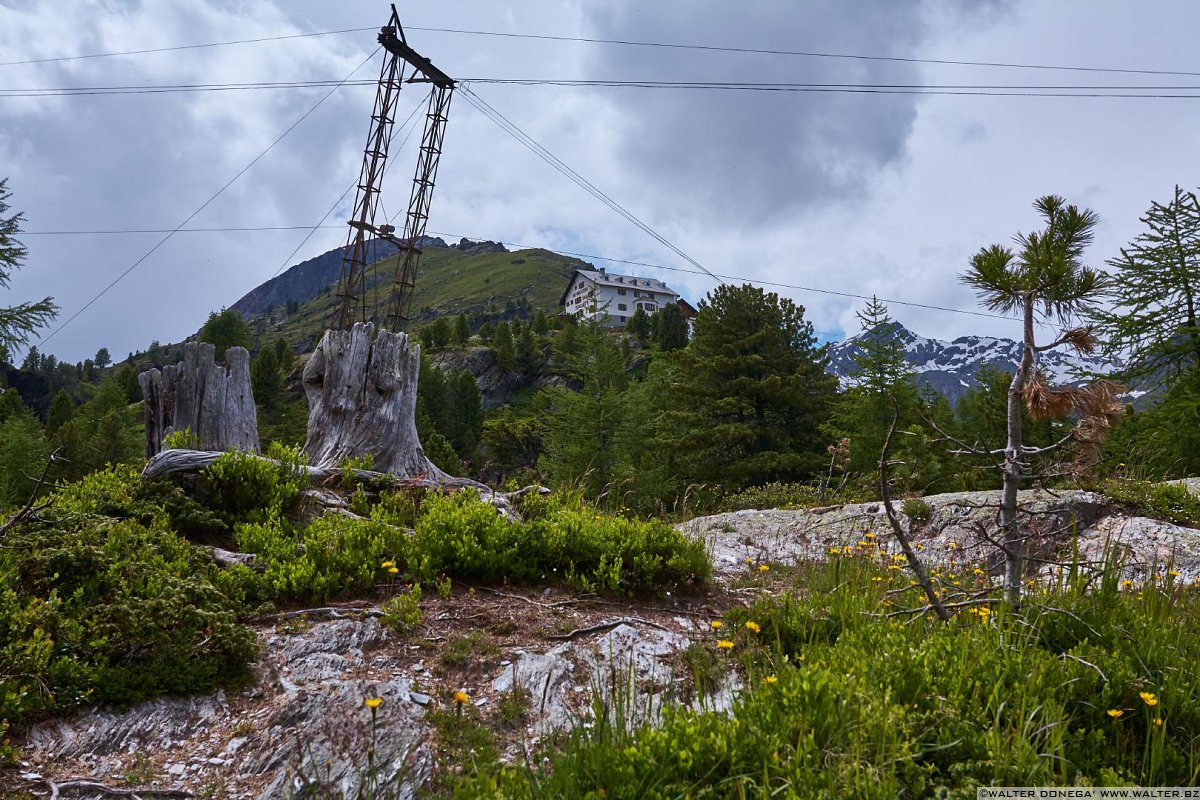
(17, 323)
(1154, 321)
(580, 429)
(1044, 278)
(880, 373)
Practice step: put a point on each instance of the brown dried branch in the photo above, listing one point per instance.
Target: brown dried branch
(1082, 340)
(885, 492)
(31, 506)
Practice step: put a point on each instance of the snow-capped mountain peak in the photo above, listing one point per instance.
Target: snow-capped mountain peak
(951, 367)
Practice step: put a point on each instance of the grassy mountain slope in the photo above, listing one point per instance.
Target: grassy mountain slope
(449, 282)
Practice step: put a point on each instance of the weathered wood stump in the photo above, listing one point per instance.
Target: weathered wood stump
(214, 402)
(362, 400)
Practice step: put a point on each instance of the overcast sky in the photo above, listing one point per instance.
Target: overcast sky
(848, 192)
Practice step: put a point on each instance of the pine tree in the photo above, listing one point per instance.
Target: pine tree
(23, 455)
(1045, 278)
(752, 392)
(528, 357)
(226, 329)
(102, 358)
(468, 413)
(506, 356)
(540, 323)
(62, 408)
(440, 332)
(670, 327)
(462, 329)
(639, 325)
(266, 378)
(1154, 321)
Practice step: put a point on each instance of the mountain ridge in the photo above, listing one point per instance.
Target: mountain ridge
(950, 367)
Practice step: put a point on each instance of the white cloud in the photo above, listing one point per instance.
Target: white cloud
(864, 194)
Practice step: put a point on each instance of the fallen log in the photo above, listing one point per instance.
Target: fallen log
(191, 461)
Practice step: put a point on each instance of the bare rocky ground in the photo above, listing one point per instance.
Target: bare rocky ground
(530, 662)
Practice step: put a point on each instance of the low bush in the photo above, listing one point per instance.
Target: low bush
(786, 495)
(1167, 501)
(245, 487)
(1092, 684)
(112, 609)
(567, 540)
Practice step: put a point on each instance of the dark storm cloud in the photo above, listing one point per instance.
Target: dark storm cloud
(750, 155)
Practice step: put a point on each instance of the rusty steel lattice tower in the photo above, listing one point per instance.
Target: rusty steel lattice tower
(352, 286)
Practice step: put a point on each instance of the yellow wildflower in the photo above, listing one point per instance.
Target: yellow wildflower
(1174, 573)
(1148, 698)
(877, 579)
(373, 702)
(724, 644)
(868, 535)
(1115, 712)
(894, 567)
(753, 626)
(763, 568)
(393, 570)
(1126, 584)
(387, 564)
(716, 623)
(770, 679)
(1158, 722)
(461, 698)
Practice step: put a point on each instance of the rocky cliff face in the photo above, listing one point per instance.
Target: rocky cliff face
(950, 367)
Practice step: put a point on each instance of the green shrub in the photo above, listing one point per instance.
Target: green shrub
(787, 495)
(101, 609)
(1167, 501)
(181, 440)
(917, 510)
(331, 557)
(246, 487)
(462, 536)
(402, 613)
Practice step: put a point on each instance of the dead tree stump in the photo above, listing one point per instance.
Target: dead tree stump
(215, 403)
(362, 400)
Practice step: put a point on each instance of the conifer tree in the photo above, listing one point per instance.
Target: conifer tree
(1154, 322)
(639, 325)
(225, 329)
(506, 356)
(62, 408)
(17, 323)
(752, 392)
(669, 327)
(1045, 278)
(880, 374)
(579, 436)
(462, 329)
(527, 355)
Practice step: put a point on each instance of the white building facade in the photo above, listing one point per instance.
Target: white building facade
(613, 299)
